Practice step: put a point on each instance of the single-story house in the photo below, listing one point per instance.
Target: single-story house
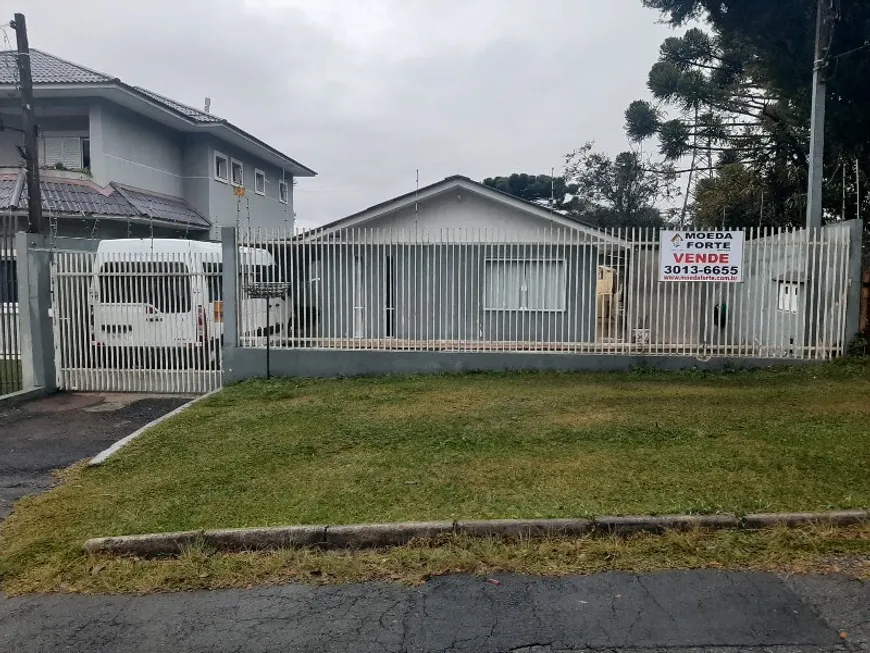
(453, 263)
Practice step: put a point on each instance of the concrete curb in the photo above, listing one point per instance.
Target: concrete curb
(104, 455)
(792, 519)
(366, 536)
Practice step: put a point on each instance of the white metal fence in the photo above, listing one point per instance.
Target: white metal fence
(138, 322)
(554, 290)
(10, 345)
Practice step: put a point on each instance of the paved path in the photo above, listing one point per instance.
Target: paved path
(52, 433)
(664, 611)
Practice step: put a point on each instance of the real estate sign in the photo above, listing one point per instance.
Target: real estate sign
(701, 256)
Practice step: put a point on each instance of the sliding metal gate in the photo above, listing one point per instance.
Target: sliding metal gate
(137, 323)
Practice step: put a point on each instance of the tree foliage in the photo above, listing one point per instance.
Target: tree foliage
(620, 191)
(540, 189)
(739, 93)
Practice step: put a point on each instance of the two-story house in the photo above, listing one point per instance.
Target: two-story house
(121, 160)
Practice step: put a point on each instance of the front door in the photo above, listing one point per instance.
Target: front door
(358, 298)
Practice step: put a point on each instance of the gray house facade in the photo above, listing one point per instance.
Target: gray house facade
(102, 140)
(456, 262)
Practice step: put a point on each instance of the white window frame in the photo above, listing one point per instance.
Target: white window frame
(259, 174)
(233, 164)
(563, 263)
(788, 297)
(283, 191)
(221, 155)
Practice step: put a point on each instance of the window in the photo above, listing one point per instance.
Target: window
(237, 173)
(8, 281)
(214, 281)
(86, 153)
(283, 192)
(259, 182)
(63, 152)
(314, 276)
(788, 297)
(525, 285)
(221, 167)
(163, 285)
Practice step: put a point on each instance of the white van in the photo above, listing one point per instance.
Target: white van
(160, 301)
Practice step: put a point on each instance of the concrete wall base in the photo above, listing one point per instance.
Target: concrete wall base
(246, 363)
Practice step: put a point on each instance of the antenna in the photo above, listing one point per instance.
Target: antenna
(208, 105)
(416, 195)
(552, 188)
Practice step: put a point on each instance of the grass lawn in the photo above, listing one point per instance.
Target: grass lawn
(472, 446)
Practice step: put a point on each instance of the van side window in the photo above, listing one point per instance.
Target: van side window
(162, 285)
(214, 281)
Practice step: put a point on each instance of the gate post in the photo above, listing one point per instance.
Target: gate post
(230, 255)
(853, 301)
(34, 302)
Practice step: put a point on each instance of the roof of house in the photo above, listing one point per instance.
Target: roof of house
(460, 182)
(75, 197)
(49, 71)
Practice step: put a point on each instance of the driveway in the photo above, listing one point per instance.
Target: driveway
(690, 611)
(42, 436)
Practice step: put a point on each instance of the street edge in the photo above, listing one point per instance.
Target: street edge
(104, 455)
(14, 399)
(365, 536)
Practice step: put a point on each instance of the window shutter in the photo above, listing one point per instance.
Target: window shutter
(72, 152)
(53, 148)
(65, 150)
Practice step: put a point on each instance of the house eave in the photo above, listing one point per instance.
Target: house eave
(137, 219)
(467, 185)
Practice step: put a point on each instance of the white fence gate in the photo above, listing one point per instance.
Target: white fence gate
(138, 322)
(10, 341)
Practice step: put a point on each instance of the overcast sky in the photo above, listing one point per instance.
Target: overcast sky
(367, 91)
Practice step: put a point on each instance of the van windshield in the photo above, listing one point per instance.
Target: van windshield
(163, 285)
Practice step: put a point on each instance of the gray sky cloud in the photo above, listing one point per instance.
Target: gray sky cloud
(367, 91)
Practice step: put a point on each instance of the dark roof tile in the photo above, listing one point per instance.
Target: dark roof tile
(190, 112)
(48, 69)
(81, 197)
(162, 207)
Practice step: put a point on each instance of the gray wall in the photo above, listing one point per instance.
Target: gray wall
(438, 293)
(461, 209)
(74, 125)
(241, 364)
(134, 150)
(196, 168)
(266, 212)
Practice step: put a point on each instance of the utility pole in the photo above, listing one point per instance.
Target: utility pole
(31, 152)
(817, 121)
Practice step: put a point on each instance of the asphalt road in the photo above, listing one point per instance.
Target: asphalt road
(684, 611)
(52, 433)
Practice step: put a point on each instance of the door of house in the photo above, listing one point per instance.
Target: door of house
(358, 298)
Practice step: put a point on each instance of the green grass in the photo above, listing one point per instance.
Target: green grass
(472, 446)
(10, 376)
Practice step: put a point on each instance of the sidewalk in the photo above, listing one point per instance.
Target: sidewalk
(662, 611)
